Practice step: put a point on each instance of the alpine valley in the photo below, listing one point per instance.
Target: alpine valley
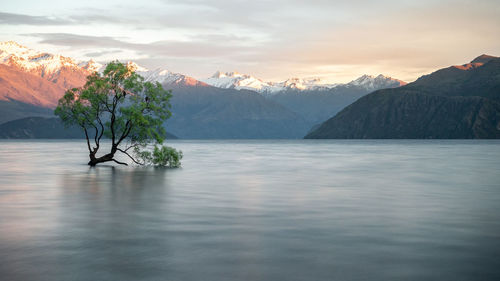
(226, 105)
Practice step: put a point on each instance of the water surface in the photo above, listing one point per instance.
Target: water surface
(254, 210)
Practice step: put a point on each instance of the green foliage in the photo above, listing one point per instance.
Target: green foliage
(120, 105)
(161, 156)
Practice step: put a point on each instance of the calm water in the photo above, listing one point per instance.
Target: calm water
(254, 210)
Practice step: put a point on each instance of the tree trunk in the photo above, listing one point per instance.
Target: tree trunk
(105, 158)
(96, 160)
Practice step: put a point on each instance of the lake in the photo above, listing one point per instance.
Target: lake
(254, 210)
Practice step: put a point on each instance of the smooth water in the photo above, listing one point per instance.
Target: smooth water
(254, 210)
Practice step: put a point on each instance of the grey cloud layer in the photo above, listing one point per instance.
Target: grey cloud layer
(19, 19)
(292, 35)
(197, 48)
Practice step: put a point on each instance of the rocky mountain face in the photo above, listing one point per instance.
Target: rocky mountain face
(16, 84)
(31, 81)
(455, 102)
(62, 71)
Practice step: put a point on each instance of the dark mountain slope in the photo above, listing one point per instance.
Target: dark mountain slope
(318, 105)
(12, 110)
(455, 102)
(42, 128)
(38, 127)
(207, 112)
(473, 79)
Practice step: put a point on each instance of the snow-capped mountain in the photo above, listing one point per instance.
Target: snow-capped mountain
(235, 80)
(302, 84)
(44, 64)
(164, 76)
(51, 67)
(91, 66)
(370, 82)
(38, 78)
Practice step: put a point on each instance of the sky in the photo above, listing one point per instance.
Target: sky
(273, 40)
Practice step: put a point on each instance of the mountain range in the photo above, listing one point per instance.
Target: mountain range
(229, 105)
(235, 80)
(460, 101)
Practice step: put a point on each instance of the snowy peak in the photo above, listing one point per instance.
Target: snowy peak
(11, 48)
(370, 82)
(91, 66)
(161, 75)
(40, 63)
(235, 80)
(168, 77)
(50, 66)
(302, 84)
(293, 83)
(135, 67)
(38, 78)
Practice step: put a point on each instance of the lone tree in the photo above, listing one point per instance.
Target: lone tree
(119, 105)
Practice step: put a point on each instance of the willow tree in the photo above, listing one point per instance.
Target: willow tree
(118, 104)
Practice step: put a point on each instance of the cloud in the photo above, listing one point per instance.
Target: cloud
(75, 40)
(163, 49)
(274, 39)
(15, 19)
(101, 53)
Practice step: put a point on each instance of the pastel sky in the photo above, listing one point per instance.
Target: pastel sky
(273, 40)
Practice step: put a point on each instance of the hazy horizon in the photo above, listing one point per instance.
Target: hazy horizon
(270, 40)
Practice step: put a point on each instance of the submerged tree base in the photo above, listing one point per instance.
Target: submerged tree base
(160, 156)
(106, 158)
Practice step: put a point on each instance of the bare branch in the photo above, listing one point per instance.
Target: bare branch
(87, 137)
(102, 130)
(122, 163)
(113, 117)
(126, 132)
(87, 118)
(130, 156)
(131, 146)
